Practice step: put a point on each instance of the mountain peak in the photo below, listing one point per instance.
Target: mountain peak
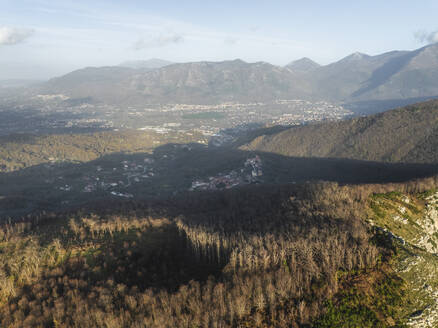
(356, 56)
(238, 61)
(149, 63)
(303, 64)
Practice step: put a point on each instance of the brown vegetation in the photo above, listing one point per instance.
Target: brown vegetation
(254, 257)
(407, 135)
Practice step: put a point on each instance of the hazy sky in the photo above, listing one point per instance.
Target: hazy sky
(42, 38)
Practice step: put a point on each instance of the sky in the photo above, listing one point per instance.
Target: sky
(40, 39)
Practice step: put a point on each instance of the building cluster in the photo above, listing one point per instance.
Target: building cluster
(251, 172)
(89, 123)
(112, 179)
(255, 164)
(192, 107)
(301, 111)
(220, 139)
(65, 188)
(136, 172)
(120, 194)
(166, 119)
(280, 112)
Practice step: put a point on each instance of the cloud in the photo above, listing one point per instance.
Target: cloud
(10, 35)
(426, 37)
(158, 41)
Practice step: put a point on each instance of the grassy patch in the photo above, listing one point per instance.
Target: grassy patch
(375, 299)
(414, 265)
(427, 193)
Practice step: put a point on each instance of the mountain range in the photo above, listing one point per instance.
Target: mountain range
(396, 75)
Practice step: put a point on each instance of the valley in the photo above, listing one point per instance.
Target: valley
(61, 114)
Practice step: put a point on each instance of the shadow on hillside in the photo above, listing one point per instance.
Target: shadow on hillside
(384, 73)
(164, 257)
(252, 134)
(368, 107)
(174, 169)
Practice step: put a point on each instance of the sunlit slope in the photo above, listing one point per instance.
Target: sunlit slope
(412, 221)
(408, 134)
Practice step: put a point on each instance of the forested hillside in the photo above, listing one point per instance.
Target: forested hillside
(290, 256)
(408, 134)
(21, 151)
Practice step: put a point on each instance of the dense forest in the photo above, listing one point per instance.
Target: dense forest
(407, 135)
(260, 256)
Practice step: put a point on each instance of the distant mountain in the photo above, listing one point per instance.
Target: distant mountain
(303, 65)
(389, 77)
(408, 135)
(148, 64)
(199, 82)
(104, 84)
(406, 75)
(203, 82)
(392, 75)
(340, 80)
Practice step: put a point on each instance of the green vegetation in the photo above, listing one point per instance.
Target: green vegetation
(413, 221)
(374, 300)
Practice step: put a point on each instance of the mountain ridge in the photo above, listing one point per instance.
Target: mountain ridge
(197, 82)
(152, 63)
(304, 64)
(358, 77)
(408, 134)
